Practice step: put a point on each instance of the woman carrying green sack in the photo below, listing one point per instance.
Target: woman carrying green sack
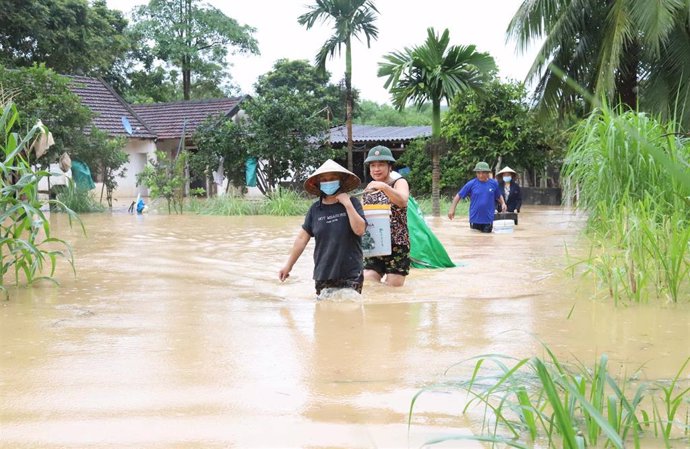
(385, 189)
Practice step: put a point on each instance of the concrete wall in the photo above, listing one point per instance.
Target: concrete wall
(549, 196)
(139, 151)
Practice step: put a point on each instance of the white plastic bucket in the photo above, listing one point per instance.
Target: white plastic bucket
(376, 241)
(504, 226)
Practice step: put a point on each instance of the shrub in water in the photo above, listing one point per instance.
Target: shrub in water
(78, 200)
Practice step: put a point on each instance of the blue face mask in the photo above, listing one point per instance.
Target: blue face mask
(507, 178)
(329, 187)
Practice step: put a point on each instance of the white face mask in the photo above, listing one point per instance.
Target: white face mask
(507, 178)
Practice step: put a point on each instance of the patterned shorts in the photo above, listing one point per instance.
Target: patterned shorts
(397, 263)
(353, 283)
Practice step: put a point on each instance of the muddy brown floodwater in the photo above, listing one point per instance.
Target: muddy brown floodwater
(176, 333)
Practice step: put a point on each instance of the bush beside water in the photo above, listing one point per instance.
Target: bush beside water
(78, 200)
(281, 203)
(284, 203)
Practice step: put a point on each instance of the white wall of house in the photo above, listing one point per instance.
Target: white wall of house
(139, 152)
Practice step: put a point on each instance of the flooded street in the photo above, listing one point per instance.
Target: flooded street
(176, 333)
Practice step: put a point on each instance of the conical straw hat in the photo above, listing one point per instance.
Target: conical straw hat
(348, 180)
(506, 169)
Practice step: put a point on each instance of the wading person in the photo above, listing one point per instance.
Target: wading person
(395, 191)
(483, 193)
(509, 188)
(336, 221)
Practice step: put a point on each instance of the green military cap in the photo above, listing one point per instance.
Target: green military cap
(482, 166)
(379, 153)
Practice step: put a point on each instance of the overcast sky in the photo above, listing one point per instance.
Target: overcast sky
(402, 23)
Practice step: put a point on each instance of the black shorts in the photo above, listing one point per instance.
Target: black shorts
(353, 283)
(482, 227)
(397, 263)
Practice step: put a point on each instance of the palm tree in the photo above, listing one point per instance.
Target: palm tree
(351, 18)
(434, 72)
(623, 50)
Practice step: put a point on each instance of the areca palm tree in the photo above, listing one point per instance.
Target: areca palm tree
(351, 18)
(433, 72)
(624, 50)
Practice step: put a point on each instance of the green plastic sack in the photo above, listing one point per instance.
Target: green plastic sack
(426, 251)
(82, 176)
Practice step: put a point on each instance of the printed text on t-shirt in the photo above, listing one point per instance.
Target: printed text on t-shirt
(332, 218)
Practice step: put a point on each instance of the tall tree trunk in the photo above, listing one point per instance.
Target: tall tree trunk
(627, 76)
(436, 158)
(348, 102)
(186, 80)
(186, 59)
(435, 181)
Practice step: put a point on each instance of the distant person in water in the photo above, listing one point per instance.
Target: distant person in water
(507, 184)
(483, 193)
(336, 221)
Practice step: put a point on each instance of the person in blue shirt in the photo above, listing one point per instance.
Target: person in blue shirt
(483, 193)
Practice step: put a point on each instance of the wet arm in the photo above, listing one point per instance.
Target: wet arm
(357, 223)
(504, 206)
(453, 206)
(297, 249)
(398, 194)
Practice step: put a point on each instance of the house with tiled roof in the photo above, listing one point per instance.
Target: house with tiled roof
(365, 137)
(163, 126)
(111, 114)
(147, 127)
(109, 108)
(167, 120)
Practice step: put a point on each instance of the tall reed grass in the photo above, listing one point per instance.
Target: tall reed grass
(631, 173)
(281, 203)
(537, 402)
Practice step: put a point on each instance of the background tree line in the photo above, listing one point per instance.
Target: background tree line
(45, 95)
(286, 126)
(636, 54)
(170, 50)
